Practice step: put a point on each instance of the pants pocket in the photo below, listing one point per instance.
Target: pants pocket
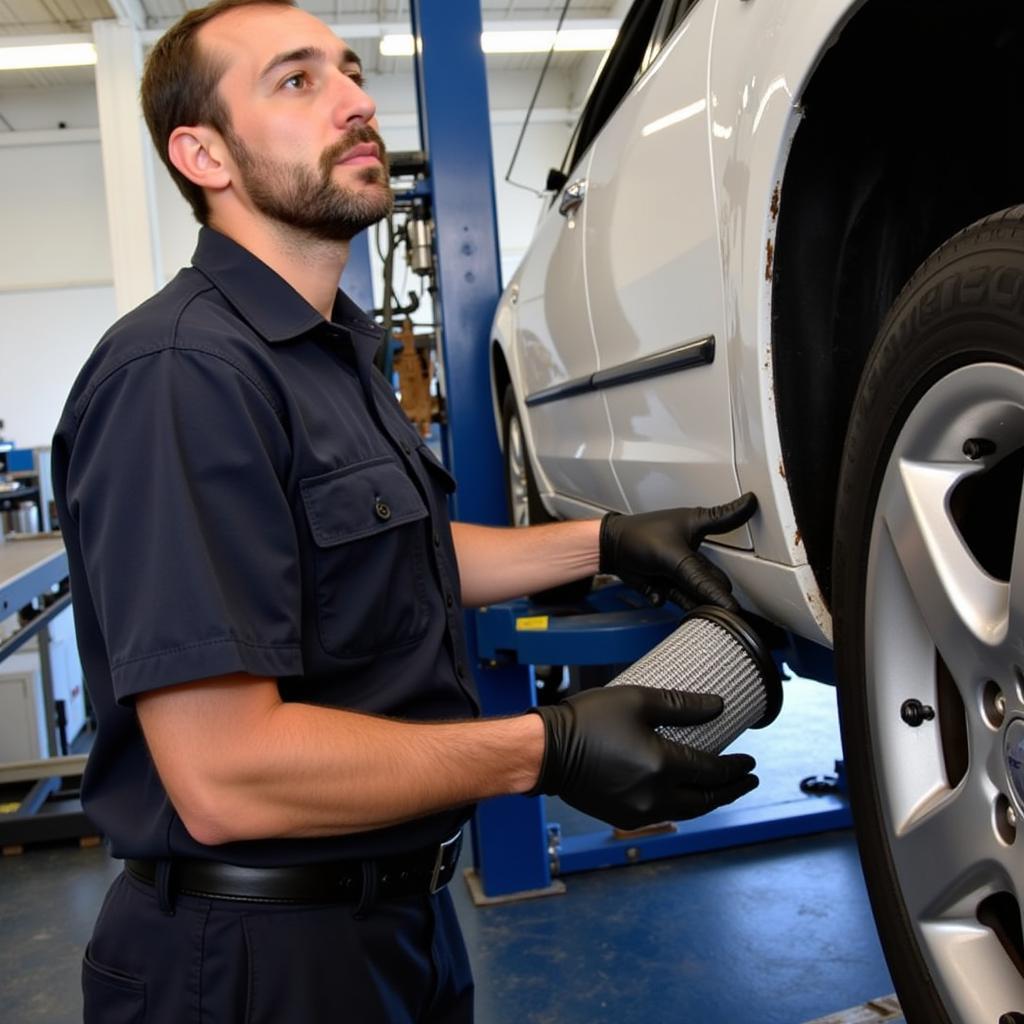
(111, 997)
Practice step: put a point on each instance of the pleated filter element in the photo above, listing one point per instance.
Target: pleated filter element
(713, 651)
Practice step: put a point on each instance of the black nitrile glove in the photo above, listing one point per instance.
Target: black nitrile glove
(602, 756)
(656, 552)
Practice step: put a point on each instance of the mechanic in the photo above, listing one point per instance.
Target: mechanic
(268, 590)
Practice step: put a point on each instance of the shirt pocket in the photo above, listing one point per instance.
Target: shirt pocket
(369, 551)
(436, 468)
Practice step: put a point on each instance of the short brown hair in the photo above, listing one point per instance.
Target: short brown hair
(179, 87)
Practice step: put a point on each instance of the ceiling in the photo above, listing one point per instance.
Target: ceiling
(46, 17)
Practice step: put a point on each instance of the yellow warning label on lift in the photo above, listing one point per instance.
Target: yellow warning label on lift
(531, 623)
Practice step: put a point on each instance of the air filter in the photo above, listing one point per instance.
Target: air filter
(713, 651)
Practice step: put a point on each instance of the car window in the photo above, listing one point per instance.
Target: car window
(678, 15)
(625, 61)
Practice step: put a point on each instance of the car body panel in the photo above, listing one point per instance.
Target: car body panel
(701, 232)
(653, 281)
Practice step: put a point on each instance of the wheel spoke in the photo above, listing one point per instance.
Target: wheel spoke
(947, 853)
(964, 609)
(973, 969)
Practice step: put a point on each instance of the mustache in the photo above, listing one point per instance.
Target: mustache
(359, 135)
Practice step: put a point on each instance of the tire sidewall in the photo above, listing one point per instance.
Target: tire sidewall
(509, 412)
(964, 306)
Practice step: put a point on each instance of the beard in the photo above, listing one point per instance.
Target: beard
(311, 201)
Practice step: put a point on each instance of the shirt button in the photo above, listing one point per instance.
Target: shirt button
(449, 600)
(405, 447)
(437, 539)
(383, 510)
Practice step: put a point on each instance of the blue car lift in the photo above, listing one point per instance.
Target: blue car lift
(510, 834)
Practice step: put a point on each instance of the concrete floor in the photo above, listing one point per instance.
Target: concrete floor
(778, 933)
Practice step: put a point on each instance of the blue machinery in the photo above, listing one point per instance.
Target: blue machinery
(510, 834)
(516, 850)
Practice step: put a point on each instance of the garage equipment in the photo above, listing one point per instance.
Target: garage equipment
(517, 851)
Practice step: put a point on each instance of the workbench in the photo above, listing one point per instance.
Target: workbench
(34, 568)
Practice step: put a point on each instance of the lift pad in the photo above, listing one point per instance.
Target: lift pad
(516, 850)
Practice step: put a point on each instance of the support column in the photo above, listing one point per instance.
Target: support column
(127, 165)
(357, 279)
(455, 128)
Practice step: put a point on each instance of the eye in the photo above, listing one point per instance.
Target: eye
(296, 80)
(357, 77)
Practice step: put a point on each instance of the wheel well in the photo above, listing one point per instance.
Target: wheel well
(907, 136)
(501, 379)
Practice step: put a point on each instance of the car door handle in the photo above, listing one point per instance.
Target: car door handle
(572, 197)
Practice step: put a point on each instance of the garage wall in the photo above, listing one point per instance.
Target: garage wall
(56, 295)
(56, 290)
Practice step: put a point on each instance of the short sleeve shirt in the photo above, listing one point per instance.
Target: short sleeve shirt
(239, 491)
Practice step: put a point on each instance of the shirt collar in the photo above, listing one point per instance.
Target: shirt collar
(270, 305)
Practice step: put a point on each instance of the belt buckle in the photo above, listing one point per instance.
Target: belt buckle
(444, 862)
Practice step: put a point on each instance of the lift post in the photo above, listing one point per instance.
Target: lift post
(455, 133)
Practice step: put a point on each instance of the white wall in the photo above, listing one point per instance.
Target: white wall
(56, 295)
(53, 215)
(45, 336)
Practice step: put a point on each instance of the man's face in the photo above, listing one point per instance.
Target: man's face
(303, 134)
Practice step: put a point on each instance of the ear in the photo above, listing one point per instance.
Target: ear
(200, 155)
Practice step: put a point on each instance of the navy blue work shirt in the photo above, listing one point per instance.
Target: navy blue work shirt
(239, 491)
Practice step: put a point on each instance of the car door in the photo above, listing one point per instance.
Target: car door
(651, 256)
(568, 422)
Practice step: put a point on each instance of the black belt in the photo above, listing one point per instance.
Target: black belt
(411, 874)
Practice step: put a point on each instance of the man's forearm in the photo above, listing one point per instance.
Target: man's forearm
(240, 764)
(496, 563)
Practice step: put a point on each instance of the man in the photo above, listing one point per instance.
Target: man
(268, 591)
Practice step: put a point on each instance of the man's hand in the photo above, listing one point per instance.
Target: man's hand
(656, 552)
(602, 756)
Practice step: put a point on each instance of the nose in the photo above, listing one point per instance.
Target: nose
(352, 103)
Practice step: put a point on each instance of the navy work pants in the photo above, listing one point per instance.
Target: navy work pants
(220, 961)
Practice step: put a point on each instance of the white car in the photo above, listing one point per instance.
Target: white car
(774, 260)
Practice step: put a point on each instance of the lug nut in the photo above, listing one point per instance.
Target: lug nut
(1000, 705)
(1005, 821)
(913, 712)
(978, 447)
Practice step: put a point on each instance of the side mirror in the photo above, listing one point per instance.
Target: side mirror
(556, 181)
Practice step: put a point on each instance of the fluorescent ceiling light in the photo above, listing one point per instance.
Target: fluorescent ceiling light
(49, 55)
(400, 45)
(538, 41)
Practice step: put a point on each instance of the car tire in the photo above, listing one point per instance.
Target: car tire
(928, 606)
(523, 499)
(521, 495)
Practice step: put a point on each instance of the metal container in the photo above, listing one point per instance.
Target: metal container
(25, 517)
